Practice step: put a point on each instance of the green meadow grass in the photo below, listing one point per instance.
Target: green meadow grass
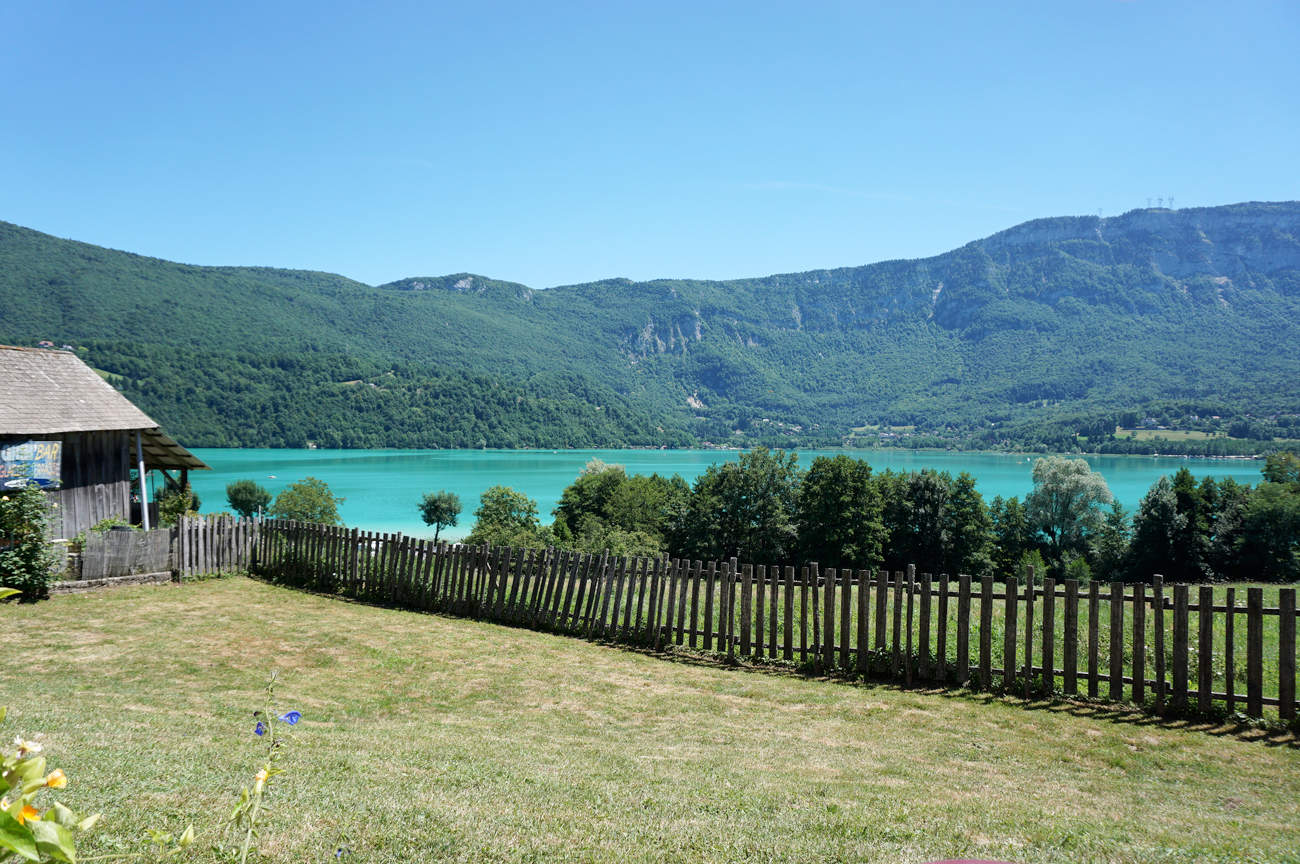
(428, 738)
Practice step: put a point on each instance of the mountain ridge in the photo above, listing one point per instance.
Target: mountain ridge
(1086, 316)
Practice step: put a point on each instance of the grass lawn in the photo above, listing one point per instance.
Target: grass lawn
(430, 739)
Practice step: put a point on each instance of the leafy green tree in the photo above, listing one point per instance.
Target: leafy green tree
(1225, 502)
(1269, 540)
(1189, 550)
(840, 514)
(1155, 526)
(1282, 467)
(1012, 536)
(746, 509)
(922, 541)
(308, 500)
(606, 509)
(247, 498)
(1065, 506)
(440, 509)
(1112, 542)
(968, 529)
(506, 517)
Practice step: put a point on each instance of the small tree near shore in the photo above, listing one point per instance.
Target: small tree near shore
(247, 498)
(308, 500)
(440, 509)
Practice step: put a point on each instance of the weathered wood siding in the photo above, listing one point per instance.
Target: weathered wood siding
(96, 480)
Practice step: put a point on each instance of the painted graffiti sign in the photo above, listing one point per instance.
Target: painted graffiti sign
(28, 461)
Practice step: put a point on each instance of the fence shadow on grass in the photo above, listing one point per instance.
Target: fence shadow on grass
(1161, 649)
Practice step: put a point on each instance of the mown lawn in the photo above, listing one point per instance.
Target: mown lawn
(432, 739)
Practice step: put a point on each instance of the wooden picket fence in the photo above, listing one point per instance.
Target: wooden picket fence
(1170, 649)
(114, 554)
(213, 544)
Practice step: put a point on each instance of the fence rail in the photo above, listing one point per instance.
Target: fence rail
(1167, 648)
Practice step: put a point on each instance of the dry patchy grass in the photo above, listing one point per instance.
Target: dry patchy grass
(429, 738)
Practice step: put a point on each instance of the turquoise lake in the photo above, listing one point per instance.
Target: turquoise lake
(382, 488)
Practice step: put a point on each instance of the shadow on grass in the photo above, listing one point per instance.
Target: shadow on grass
(1243, 729)
(1235, 727)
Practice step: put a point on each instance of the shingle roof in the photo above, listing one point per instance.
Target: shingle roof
(43, 392)
(48, 392)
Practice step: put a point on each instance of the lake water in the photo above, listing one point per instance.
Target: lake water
(383, 488)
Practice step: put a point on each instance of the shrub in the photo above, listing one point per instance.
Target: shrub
(176, 502)
(26, 557)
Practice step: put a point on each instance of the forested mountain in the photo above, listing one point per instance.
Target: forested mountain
(1049, 330)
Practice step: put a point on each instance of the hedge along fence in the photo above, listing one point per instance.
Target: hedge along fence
(1171, 649)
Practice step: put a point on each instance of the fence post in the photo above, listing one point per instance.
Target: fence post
(1180, 648)
(828, 632)
(1286, 654)
(941, 631)
(1158, 612)
(1255, 652)
(923, 631)
(1204, 648)
(1070, 639)
(1011, 600)
(846, 609)
(746, 609)
(963, 629)
(896, 642)
(1029, 630)
(803, 615)
(1116, 641)
(907, 650)
(787, 650)
(1229, 670)
(986, 633)
(815, 574)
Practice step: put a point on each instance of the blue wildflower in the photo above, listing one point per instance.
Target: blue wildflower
(259, 729)
(291, 717)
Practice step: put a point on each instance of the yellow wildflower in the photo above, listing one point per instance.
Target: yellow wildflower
(56, 779)
(261, 778)
(28, 813)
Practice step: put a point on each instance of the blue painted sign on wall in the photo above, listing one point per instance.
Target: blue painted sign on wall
(31, 461)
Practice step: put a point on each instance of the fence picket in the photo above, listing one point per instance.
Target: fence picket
(1286, 654)
(941, 630)
(986, 633)
(1204, 648)
(1070, 639)
(963, 629)
(846, 609)
(864, 604)
(1179, 699)
(828, 631)
(1255, 652)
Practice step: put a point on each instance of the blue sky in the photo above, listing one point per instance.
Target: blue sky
(559, 143)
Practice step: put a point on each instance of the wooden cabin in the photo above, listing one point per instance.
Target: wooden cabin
(66, 428)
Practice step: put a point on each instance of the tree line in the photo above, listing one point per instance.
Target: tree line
(840, 513)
